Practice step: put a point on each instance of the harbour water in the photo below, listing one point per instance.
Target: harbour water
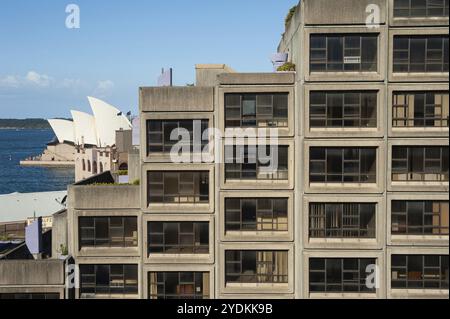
(16, 145)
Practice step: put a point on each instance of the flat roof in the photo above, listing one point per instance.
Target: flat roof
(18, 207)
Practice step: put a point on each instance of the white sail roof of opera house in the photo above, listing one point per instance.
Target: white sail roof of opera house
(108, 120)
(64, 130)
(85, 132)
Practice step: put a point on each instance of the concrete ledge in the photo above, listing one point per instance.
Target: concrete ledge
(32, 272)
(176, 99)
(48, 163)
(104, 197)
(278, 78)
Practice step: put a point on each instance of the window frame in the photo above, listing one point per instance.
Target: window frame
(404, 267)
(427, 14)
(108, 242)
(407, 121)
(406, 164)
(165, 145)
(406, 53)
(327, 232)
(162, 284)
(235, 164)
(324, 272)
(108, 289)
(257, 276)
(273, 121)
(324, 51)
(405, 214)
(193, 248)
(324, 162)
(258, 215)
(371, 123)
(193, 198)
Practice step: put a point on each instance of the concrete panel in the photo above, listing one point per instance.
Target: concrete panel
(176, 99)
(257, 78)
(342, 12)
(104, 197)
(32, 272)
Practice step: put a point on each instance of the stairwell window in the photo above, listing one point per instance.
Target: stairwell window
(344, 53)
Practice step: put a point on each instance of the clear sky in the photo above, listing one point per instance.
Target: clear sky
(47, 69)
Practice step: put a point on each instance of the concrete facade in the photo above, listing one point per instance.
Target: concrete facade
(284, 255)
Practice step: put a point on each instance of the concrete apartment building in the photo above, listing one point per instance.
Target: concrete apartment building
(362, 176)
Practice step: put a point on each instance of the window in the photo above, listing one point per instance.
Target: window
(420, 109)
(247, 266)
(256, 214)
(256, 110)
(339, 274)
(419, 272)
(108, 232)
(178, 238)
(187, 187)
(247, 163)
(420, 8)
(344, 53)
(421, 53)
(342, 165)
(420, 217)
(342, 220)
(419, 163)
(343, 109)
(35, 296)
(107, 280)
(83, 163)
(159, 131)
(179, 285)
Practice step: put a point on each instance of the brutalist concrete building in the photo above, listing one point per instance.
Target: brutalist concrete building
(361, 181)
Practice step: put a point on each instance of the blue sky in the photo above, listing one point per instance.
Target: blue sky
(47, 69)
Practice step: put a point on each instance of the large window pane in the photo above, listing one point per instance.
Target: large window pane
(343, 53)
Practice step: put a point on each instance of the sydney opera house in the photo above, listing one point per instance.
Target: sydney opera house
(94, 143)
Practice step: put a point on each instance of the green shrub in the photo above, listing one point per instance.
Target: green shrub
(288, 66)
(137, 182)
(122, 172)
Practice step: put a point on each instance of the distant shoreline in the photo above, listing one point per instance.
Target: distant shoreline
(24, 124)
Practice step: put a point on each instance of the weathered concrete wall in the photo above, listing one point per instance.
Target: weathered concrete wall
(134, 165)
(32, 272)
(206, 74)
(257, 78)
(176, 99)
(59, 233)
(342, 12)
(104, 197)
